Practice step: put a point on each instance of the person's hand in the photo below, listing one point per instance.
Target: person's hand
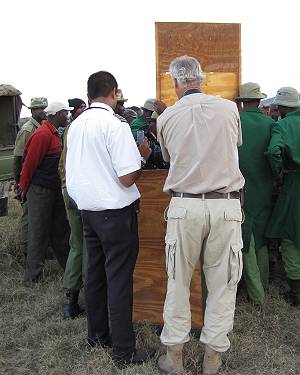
(159, 106)
(145, 149)
(23, 197)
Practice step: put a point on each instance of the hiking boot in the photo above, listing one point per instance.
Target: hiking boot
(211, 362)
(294, 293)
(71, 309)
(171, 363)
(138, 357)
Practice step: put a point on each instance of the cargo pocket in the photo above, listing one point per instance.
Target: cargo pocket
(235, 265)
(170, 258)
(233, 215)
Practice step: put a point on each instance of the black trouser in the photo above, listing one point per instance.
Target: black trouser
(112, 248)
(47, 224)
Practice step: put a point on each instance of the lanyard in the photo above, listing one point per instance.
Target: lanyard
(105, 109)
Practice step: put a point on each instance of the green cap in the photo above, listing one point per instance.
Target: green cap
(149, 104)
(120, 96)
(250, 91)
(287, 97)
(38, 102)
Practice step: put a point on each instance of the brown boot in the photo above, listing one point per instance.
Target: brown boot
(211, 362)
(171, 363)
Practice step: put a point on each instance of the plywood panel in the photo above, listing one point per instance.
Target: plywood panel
(150, 278)
(216, 45)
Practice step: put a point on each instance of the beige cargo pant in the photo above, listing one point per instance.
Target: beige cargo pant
(210, 228)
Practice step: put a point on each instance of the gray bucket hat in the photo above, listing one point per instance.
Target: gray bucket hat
(287, 97)
(250, 91)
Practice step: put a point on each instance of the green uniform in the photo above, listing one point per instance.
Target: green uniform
(138, 124)
(284, 157)
(256, 129)
(22, 137)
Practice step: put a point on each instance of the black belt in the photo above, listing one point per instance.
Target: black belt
(210, 195)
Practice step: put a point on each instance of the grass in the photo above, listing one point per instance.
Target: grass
(34, 339)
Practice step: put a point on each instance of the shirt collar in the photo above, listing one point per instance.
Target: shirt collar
(35, 123)
(257, 110)
(50, 126)
(102, 105)
(191, 91)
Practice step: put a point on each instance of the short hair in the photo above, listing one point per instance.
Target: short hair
(101, 84)
(186, 69)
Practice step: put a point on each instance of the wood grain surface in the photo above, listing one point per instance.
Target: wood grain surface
(150, 280)
(216, 45)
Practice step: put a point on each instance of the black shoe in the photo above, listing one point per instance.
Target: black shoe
(101, 343)
(71, 309)
(138, 357)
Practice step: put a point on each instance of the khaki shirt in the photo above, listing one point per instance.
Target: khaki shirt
(199, 135)
(62, 160)
(23, 135)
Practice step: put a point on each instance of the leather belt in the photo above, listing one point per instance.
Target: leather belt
(210, 195)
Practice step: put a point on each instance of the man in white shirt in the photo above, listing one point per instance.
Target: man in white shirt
(102, 165)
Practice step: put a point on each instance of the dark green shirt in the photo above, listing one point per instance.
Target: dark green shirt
(138, 124)
(256, 130)
(284, 156)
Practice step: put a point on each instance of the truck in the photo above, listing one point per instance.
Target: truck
(10, 109)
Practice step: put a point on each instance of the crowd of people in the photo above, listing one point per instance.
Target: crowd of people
(234, 182)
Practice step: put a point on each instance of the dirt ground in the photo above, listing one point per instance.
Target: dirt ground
(34, 339)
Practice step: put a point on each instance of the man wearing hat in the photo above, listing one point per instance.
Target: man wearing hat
(37, 106)
(284, 157)
(141, 122)
(119, 110)
(78, 107)
(256, 129)
(40, 184)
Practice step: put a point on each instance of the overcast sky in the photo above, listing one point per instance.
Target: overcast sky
(49, 48)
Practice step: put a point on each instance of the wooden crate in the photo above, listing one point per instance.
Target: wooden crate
(216, 45)
(150, 280)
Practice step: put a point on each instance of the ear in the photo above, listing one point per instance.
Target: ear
(89, 99)
(114, 93)
(175, 83)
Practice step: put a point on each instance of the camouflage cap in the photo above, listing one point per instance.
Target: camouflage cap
(287, 97)
(38, 102)
(120, 96)
(250, 91)
(149, 105)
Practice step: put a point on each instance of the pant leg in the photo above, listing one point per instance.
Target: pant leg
(60, 230)
(291, 259)
(95, 281)
(252, 275)
(24, 227)
(73, 272)
(186, 229)
(222, 267)
(263, 264)
(40, 208)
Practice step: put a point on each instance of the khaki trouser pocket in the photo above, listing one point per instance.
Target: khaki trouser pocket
(235, 265)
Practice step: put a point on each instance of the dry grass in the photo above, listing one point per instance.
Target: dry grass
(35, 340)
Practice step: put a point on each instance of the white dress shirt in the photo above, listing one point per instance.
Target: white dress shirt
(100, 149)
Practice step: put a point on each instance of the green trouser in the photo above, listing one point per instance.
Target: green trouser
(256, 272)
(76, 263)
(24, 228)
(291, 259)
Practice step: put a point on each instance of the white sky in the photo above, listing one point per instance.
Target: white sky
(49, 48)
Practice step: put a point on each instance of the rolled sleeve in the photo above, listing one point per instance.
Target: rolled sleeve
(123, 151)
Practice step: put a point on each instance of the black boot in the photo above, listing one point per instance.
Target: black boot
(295, 292)
(71, 308)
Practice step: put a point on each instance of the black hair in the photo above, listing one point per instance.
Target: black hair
(101, 84)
